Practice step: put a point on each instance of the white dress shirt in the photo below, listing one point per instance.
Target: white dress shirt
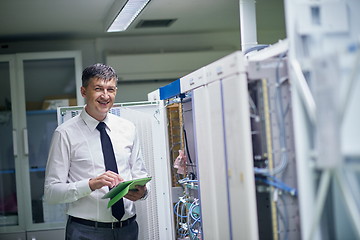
(75, 156)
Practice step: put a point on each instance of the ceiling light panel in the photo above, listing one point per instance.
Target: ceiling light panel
(127, 15)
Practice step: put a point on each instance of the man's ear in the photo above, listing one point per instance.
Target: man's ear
(83, 91)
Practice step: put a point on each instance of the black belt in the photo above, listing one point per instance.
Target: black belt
(103, 224)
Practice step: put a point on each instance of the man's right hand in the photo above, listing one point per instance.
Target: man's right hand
(108, 178)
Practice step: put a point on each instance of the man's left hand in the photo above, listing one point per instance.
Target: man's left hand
(137, 193)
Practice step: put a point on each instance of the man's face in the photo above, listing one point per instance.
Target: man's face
(99, 96)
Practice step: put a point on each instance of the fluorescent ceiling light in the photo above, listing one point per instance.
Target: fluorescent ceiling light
(127, 15)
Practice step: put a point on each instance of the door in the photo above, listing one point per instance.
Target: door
(11, 214)
(47, 80)
(32, 86)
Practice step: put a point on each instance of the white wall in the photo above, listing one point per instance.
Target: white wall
(95, 50)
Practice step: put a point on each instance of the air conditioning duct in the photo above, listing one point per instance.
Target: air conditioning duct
(159, 66)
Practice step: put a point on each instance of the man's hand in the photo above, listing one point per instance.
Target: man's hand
(108, 178)
(135, 195)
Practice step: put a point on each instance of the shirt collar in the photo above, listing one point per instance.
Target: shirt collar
(91, 122)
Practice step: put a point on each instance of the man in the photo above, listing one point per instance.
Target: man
(77, 172)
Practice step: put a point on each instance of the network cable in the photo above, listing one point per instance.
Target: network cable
(272, 181)
(188, 220)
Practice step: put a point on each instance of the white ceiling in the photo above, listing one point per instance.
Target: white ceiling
(73, 19)
(39, 19)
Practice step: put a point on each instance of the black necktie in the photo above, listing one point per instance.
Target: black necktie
(110, 164)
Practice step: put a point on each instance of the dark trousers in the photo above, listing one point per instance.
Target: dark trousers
(78, 231)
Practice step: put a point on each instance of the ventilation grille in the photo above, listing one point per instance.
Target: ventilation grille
(155, 23)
